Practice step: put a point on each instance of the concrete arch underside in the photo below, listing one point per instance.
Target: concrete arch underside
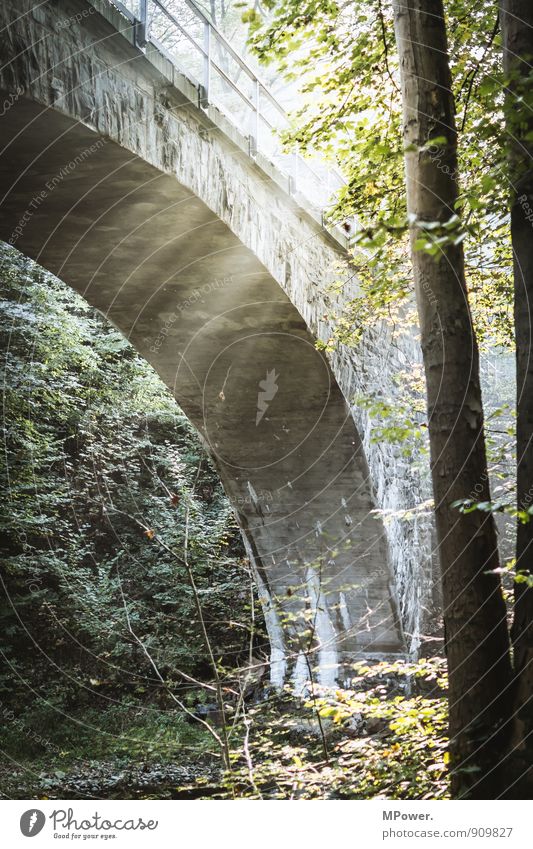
(225, 337)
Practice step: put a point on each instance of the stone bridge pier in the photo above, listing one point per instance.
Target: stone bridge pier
(113, 179)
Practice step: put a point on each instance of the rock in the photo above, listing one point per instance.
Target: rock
(376, 725)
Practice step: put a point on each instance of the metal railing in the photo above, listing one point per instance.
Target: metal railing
(187, 37)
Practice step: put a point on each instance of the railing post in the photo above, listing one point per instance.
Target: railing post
(141, 25)
(254, 136)
(294, 175)
(204, 99)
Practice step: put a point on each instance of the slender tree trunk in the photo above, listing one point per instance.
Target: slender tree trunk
(477, 641)
(516, 18)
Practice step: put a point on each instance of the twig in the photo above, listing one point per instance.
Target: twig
(385, 45)
(307, 652)
(317, 712)
(247, 756)
(247, 723)
(207, 641)
(475, 70)
(157, 672)
(222, 741)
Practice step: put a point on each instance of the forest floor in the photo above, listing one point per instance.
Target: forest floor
(383, 738)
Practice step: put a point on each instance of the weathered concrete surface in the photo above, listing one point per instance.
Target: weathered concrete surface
(113, 179)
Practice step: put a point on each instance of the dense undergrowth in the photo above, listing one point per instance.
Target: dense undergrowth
(96, 450)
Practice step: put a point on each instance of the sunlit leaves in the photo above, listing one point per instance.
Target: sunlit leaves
(344, 56)
(382, 741)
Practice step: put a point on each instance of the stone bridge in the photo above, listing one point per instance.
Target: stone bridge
(116, 179)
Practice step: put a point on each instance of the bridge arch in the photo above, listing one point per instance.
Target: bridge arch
(113, 179)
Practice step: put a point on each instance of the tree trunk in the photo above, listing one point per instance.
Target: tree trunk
(516, 18)
(477, 641)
